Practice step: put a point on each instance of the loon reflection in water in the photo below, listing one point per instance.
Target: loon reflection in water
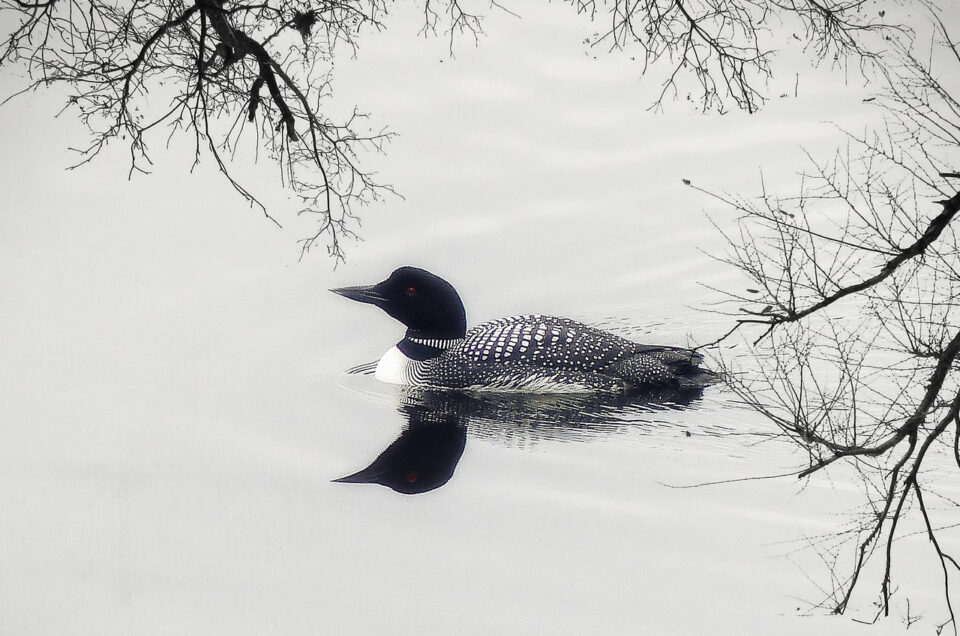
(426, 453)
(423, 458)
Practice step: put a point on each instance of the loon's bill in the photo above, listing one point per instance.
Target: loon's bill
(530, 353)
(360, 293)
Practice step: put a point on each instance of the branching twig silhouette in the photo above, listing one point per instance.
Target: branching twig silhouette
(854, 285)
(223, 71)
(725, 50)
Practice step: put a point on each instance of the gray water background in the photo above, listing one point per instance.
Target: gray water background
(176, 402)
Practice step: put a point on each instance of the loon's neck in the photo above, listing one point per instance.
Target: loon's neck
(417, 346)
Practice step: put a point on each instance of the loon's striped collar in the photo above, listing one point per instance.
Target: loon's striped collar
(436, 343)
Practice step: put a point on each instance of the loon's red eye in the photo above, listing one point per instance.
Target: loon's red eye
(411, 290)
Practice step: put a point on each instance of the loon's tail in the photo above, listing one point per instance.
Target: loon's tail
(656, 366)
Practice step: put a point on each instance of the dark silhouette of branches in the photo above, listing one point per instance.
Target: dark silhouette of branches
(854, 284)
(727, 48)
(222, 71)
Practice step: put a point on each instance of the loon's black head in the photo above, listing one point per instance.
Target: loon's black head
(428, 305)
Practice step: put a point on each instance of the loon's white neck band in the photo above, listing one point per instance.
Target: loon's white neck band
(438, 343)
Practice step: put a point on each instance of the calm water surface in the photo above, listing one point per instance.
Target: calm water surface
(176, 402)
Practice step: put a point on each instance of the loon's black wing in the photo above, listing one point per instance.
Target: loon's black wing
(545, 341)
(571, 352)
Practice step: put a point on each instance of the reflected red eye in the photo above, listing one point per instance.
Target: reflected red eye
(411, 291)
(412, 477)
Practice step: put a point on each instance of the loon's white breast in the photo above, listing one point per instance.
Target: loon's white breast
(394, 367)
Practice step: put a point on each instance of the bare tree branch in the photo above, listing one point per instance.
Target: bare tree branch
(859, 382)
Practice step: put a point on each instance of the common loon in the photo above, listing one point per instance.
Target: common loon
(532, 353)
